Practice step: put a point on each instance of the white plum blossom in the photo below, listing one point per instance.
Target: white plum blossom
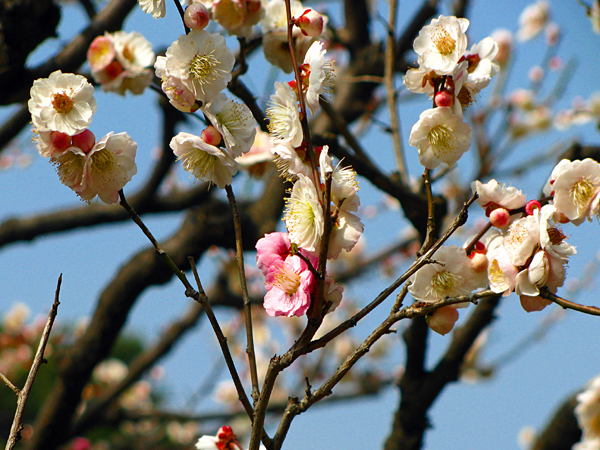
(234, 121)
(418, 80)
(284, 117)
(202, 61)
(304, 215)
(321, 75)
(344, 185)
(154, 7)
(440, 136)
(180, 96)
(492, 195)
(62, 102)
(275, 14)
(482, 63)
(346, 231)
(576, 187)
(501, 271)
(441, 44)
(206, 162)
(102, 171)
(449, 276)
(533, 19)
(290, 161)
(522, 239)
(129, 69)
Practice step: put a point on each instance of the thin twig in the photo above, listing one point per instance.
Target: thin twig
(181, 13)
(17, 424)
(239, 256)
(390, 69)
(12, 387)
(567, 304)
(430, 214)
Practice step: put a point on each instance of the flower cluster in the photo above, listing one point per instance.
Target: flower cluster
(452, 75)
(322, 193)
(122, 62)
(61, 108)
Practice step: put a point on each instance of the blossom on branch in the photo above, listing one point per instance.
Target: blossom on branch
(304, 215)
(320, 74)
(234, 121)
(154, 7)
(100, 171)
(203, 63)
(492, 195)
(62, 102)
(284, 117)
(206, 162)
(122, 62)
(441, 137)
(442, 43)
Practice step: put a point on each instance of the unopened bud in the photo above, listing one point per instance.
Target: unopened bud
(211, 136)
(84, 141)
(531, 206)
(444, 98)
(310, 23)
(196, 16)
(60, 141)
(442, 320)
(479, 262)
(500, 218)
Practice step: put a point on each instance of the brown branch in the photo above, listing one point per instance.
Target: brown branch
(567, 304)
(23, 395)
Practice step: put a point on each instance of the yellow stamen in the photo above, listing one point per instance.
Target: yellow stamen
(444, 43)
(444, 284)
(62, 103)
(582, 193)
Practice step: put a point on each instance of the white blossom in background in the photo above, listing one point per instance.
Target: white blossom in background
(102, 171)
(110, 371)
(206, 162)
(442, 43)
(275, 15)
(154, 7)
(122, 62)
(276, 48)
(532, 20)
(62, 102)
(321, 75)
(234, 121)
(284, 117)
(15, 318)
(441, 137)
(576, 185)
(594, 14)
(304, 215)
(203, 63)
(504, 39)
(450, 278)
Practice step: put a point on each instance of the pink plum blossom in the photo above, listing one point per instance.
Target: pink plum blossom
(290, 288)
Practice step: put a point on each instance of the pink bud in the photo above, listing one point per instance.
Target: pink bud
(532, 205)
(479, 247)
(310, 23)
(80, 444)
(500, 218)
(444, 98)
(211, 136)
(442, 320)
(84, 141)
(196, 16)
(479, 262)
(531, 304)
(60, 141)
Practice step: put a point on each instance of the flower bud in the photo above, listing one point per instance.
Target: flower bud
(196, 16)
(442, 320)
(479, 262)
(310, 23)
(211, 136)
(444, 98)
(500, 218)
(60, 141)
(84, 141)
(531, 304)
(531, 206)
